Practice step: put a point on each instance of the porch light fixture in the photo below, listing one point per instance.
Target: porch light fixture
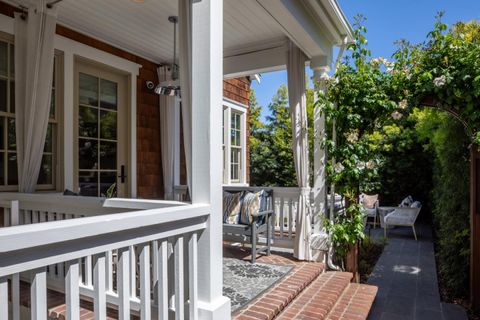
(171, 87)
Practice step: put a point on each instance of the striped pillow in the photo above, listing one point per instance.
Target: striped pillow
(231, 207)
(250, 206)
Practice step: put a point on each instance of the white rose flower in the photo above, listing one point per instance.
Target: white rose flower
(403, 104)
(352, 137)
(338, 167)
(440, 81)
(361, 165)
(370, 164)
(396, 115)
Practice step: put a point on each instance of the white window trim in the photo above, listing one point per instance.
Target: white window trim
(228, 106)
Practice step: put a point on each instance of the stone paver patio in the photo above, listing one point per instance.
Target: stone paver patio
(406, 277)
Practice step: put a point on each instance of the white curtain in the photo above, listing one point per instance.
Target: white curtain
(185, 64)
(167, 135)
(298, 113)
(34, 56)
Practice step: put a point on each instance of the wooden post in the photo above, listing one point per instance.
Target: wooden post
(475, 227)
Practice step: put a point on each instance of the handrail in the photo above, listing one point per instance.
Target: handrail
(28, 247)
(78, 205)
(41, 234)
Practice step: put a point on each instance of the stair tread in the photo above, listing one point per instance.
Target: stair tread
(355, 302)
(319, 298)
(277, 298)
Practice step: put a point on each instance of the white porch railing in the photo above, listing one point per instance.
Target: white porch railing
(140, 261)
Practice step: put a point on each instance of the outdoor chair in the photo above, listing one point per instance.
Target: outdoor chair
(245, 216)
(403, 216)
(370, 205)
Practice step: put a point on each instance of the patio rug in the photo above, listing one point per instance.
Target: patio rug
(243, 281)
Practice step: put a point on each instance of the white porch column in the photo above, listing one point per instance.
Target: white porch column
(320, 66)
(207, 76)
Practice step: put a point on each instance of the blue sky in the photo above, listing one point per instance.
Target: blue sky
(387, 21)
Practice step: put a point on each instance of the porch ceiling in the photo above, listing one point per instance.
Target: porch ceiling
(257, 29)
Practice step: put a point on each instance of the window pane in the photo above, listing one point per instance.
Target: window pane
(108, 184)
(2, 166)
(12, 61)
(108, 125)
(108, 155)
(3, 58)
(87, 154)
(12, 170)
(49, 139)
(2, 136)
(88, 89)
(108, 94)
(88, 183)
(11, 134)
(12, 96)
(46, 170)
(88, 122)
(3, 94)
(52, 105)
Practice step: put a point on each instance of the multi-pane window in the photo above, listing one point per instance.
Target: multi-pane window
(235, 146)
(97, 135)
(8, 147)
(233, 142)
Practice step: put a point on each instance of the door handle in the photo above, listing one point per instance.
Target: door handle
(122, 175)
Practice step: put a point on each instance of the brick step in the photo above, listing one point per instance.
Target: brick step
(355, 302)
(269, 304)
(330, 294)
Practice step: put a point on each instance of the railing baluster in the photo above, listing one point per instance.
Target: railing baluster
(42, 216)
(34, 216)
(290, 218)
(88, 271)
(38, 295)
(14, 221)
(282, 202)
(109, 271)
(51, 216)
(179, 294)
(162, 285)
(145, 298)
(3, 298)
(6, 217)
(72, 292)
(193, 276)
(99, 299)
(27, 215)
(133, 271)
(154, 269)
(16, 296)
(123, 283)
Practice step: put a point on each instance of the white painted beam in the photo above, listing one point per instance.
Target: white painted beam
(259, 61)
(301, 25)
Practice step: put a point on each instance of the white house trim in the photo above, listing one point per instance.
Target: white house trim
(228, 106)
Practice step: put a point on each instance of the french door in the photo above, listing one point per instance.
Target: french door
(101, 132)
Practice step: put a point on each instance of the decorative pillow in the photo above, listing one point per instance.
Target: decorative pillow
(369, 201)
(407, 202)
(231, 207)
(250, 206)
